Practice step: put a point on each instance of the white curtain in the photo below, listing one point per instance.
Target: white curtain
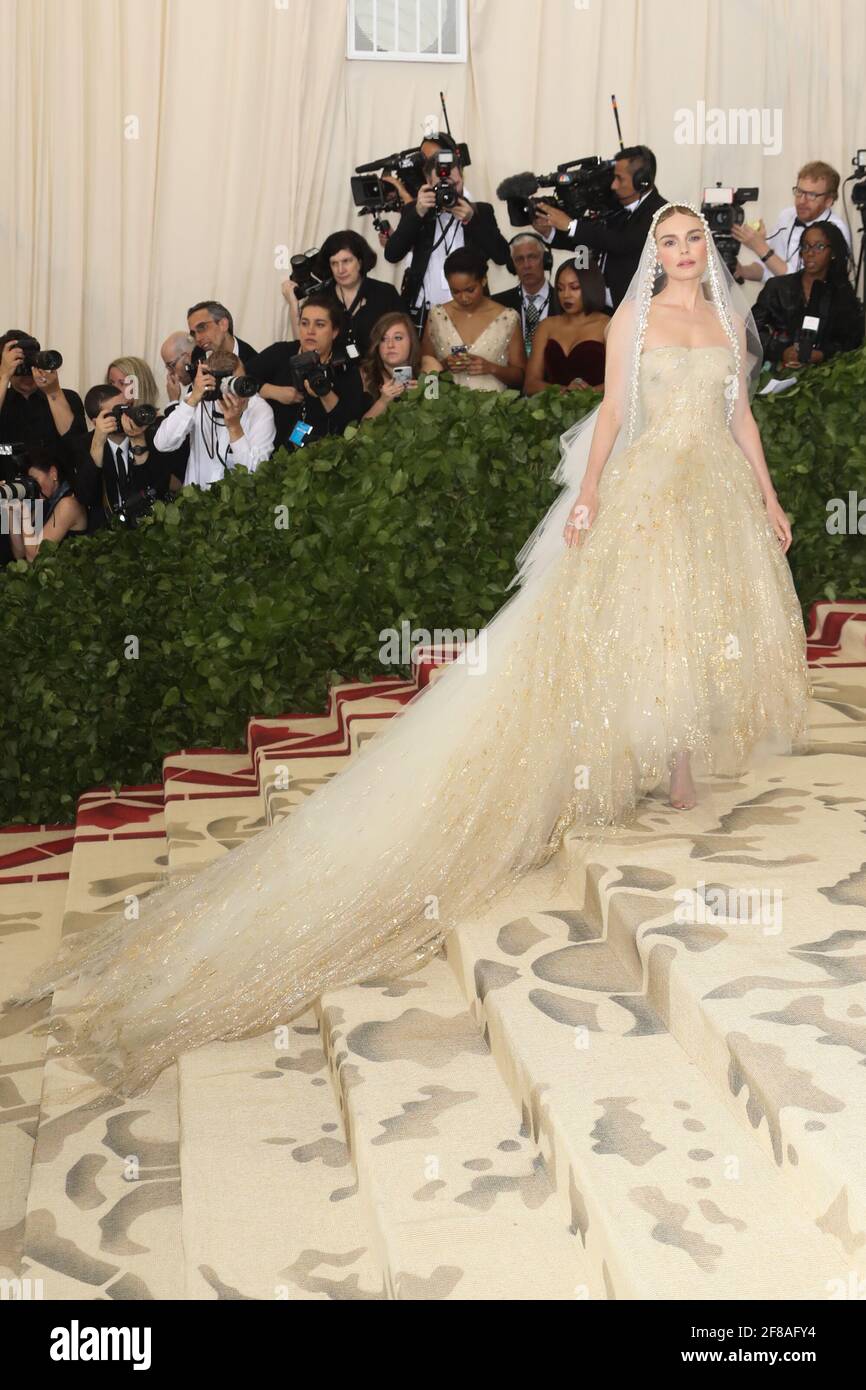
(158, 152)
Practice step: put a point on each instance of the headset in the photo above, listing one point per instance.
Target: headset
(644, 177)
(545, 246)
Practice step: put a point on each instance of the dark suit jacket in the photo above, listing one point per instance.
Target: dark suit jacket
(621, 237)
(245, 352)
(511, 300)
(418, 234)
(155, 472)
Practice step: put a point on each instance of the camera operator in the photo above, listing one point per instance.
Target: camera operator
(619, 239)
(54, 514)
(815, 192)
(431, 235)
(225, 430)
(212, 328)
(34, 409)
(318, 403)
(811, 315)
(534, 297)
(119, 463)
(176, 353)
(346, 260)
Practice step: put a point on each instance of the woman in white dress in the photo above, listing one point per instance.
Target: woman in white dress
(654, 632)
(494, 356)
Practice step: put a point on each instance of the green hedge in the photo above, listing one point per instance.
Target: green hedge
(415, 517)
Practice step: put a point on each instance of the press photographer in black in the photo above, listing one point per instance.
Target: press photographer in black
(618, 239)
(313, 390)
(440, 220)
(34, 408)
(119, 471)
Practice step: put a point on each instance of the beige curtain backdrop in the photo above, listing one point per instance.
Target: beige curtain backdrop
(157, 152)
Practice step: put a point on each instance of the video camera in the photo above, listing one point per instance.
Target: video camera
(581, 188)
(723, 209)
(307, 367)
(48, 360)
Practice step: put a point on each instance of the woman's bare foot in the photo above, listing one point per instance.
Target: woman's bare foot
(683, 795)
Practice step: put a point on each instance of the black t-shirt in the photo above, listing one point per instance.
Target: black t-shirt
(271, 367)
(374, 298)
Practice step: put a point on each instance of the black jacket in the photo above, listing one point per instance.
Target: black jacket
(418, 235)
(620, 238)
(511, 300)
(778, 312)
(101, 491)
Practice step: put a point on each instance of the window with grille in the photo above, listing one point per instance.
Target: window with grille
(408, 31)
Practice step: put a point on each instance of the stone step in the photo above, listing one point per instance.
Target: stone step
(671, 1196)
(454, 1187)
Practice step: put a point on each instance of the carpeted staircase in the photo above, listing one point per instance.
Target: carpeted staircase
(623, 1089)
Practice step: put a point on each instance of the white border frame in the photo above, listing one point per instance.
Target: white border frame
(461, 56)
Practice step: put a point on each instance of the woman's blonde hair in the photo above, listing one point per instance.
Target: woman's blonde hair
(146, 390)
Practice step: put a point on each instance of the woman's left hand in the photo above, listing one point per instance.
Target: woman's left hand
(780, 524)
(477, 366)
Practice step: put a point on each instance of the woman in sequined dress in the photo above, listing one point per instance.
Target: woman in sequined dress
(654, 635)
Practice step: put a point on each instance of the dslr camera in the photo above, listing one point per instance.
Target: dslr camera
(446, 193)
(48, 360)
(305, 273)
(307, 367)
(16, 485)
(142, 414)
(723, 209)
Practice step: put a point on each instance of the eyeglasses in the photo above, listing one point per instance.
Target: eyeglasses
(196, 328)
(807, 246)
(803, 193)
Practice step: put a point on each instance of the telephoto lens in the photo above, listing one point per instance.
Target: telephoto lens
(241, 386)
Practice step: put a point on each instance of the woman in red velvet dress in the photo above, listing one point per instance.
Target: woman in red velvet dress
(568, 348)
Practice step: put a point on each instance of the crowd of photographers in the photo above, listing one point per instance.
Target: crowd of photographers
(357, 344)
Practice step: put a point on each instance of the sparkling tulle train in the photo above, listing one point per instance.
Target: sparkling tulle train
(674, 625)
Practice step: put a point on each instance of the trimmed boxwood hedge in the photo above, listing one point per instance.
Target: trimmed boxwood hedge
(253, 597)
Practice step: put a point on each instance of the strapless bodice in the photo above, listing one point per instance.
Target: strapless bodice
(685, 390)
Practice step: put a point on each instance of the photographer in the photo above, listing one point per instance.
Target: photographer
(815, 192)
(224, 430)
(432, 235)
(315, 403)
(33, 407)
(212, 329)
(811, 315)
(346, 260)
(619, 239)
(394, 362)
(120, 465)
(176, 353)
(54, 514)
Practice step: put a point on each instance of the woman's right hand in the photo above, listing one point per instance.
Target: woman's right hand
(391, 389)
(581, 516)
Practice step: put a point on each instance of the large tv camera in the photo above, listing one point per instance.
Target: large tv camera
(374, 197)
(581, 188)
(723, 209)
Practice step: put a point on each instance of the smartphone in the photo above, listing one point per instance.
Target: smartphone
(461, 350)
(402, 374)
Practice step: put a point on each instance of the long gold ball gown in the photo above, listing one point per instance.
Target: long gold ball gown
(674, 624)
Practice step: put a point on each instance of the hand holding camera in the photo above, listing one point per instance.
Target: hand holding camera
(203, 385)
(426, 200)
(11, 360)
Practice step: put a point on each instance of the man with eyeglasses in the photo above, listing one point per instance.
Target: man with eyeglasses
(176, 353)
(212, 328)
(815, 192)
